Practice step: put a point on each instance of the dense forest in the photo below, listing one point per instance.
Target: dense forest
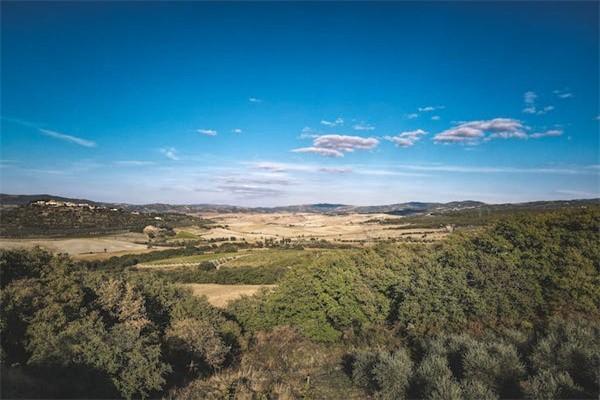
(507, 310)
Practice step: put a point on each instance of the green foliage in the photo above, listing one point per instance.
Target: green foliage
(551, 385)
(567, 357)
(506, 311)
(325, 300)
(486, 368)
(56, 315)
(31, 220)
(224, 275)
(384, 373)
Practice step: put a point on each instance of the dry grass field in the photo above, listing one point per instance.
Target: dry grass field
(251, 227)
(220, 295)
(348, 227)
(85, 248)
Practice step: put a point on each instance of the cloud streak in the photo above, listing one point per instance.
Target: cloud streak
(68, 138)
(207, 132)
(430, 108)
(363, 127)
(338, 121)
(548, 133)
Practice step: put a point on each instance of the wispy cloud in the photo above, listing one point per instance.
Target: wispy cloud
(337, 122)
(362, 126)
(551, 132)
(133, 163)
(435, 118)
(170, 153)
(245, 190)
(406, 139)
(473, 132)
(530, 98)
(320, 151)
(573, 170)
(254, 100)
(207, 132)
(236, 130)
(335, 170)
(412, 116)
(68, 138)
(278, 167)
(563, 93)
(430, 108)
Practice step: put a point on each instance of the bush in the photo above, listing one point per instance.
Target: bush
(568, 352)
(384, 373)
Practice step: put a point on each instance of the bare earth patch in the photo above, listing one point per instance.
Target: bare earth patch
(220, 295)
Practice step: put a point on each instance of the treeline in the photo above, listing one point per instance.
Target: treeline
(37, 221)
(508, 311)
(487, 214)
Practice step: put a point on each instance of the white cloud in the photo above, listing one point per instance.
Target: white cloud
(68, 138)
(530, 99)
(237, 130)
(435, 118)
(551, 132)
(207, 132)
(254, 100)
(473, 132)
(170, 153)
(363, 127)
(320, 151)
(546, 109)
(338, 121)
(346, 143)
(563, 93)
(406, 139)
(430, 108)
(412, 116)
(337, 145)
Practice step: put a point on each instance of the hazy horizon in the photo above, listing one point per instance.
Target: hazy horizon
(276, 104)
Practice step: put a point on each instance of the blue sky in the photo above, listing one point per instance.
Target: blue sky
(288, 103)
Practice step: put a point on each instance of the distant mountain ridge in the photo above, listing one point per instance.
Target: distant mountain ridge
(408, 208)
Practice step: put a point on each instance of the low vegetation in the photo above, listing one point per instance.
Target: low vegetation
(62, 221)
(506, 310)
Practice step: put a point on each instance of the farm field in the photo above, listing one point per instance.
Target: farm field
(196, 259)
(348, 227)
(221, 295)
(243, 258)
(85, 248)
